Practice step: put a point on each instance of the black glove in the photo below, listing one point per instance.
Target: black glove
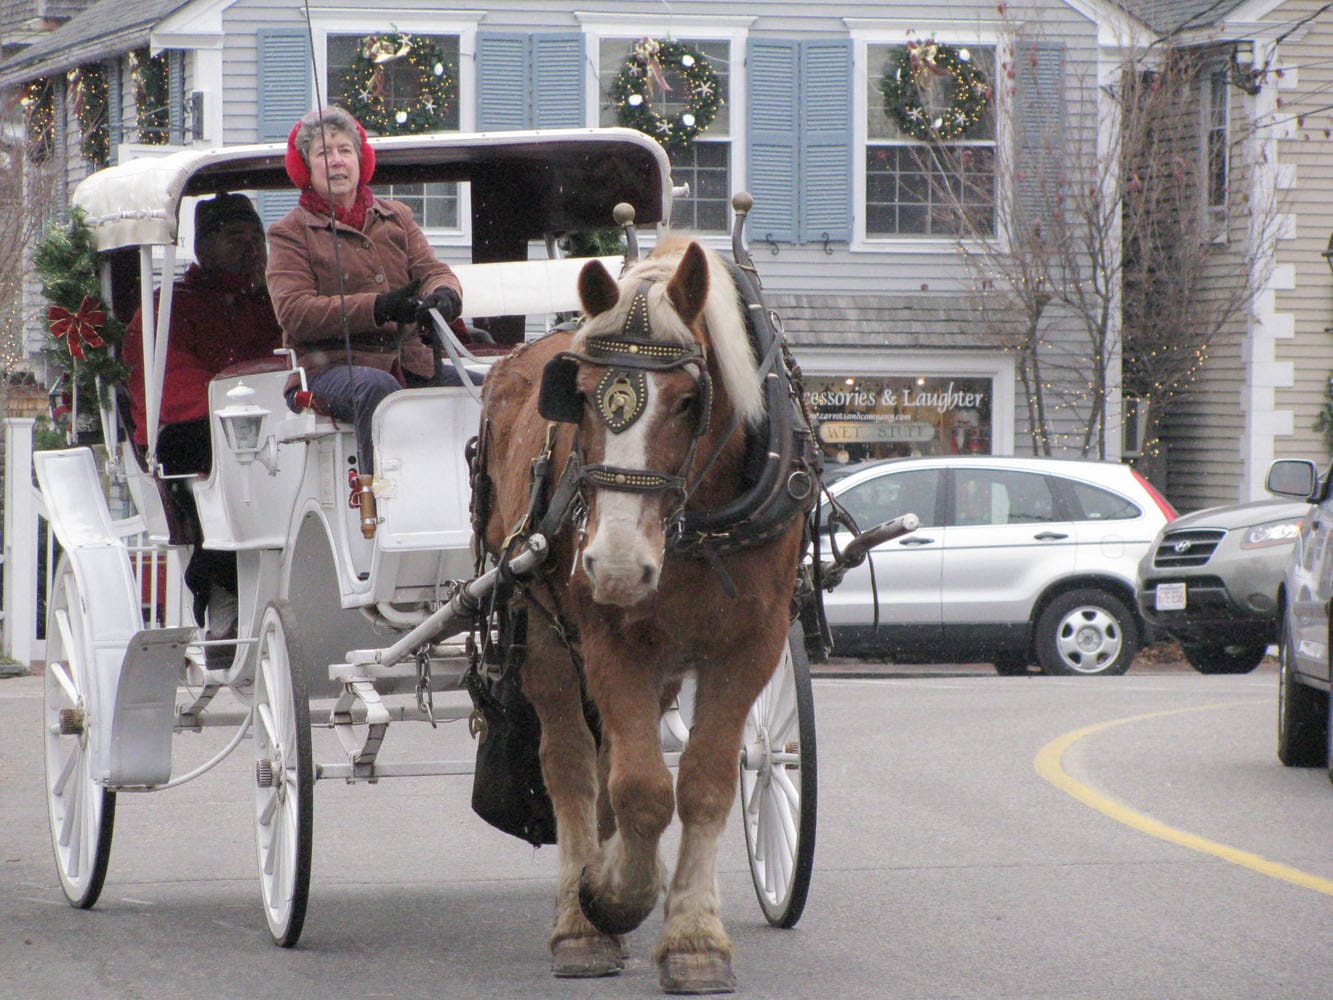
(446, 300)
(398, 306)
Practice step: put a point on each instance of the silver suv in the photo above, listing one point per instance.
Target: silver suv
(1017, 560)
(1304, 677)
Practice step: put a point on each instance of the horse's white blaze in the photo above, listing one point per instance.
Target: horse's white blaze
(623, 557)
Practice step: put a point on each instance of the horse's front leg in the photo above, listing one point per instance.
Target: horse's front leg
(694, 954)
(623, 886)
(569, 768)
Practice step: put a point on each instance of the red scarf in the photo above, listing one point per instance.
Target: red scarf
(313, 201)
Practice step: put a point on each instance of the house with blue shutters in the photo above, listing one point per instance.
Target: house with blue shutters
(857, 233)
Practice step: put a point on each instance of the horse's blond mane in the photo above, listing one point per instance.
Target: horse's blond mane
(729, 341)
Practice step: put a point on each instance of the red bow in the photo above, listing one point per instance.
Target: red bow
(80, 327)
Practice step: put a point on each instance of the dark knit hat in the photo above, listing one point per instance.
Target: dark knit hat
(210, 216)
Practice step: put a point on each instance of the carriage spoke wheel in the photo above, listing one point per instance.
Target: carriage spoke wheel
(80, 812)
(778, 786)
(284, 776)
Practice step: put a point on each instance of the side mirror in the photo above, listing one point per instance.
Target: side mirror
(1293, 477)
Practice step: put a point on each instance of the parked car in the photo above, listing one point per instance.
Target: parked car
(1210, 581)
(1303, 614)
(1016, 561)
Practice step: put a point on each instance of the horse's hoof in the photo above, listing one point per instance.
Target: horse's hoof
(587, 957)
(610, 919)
(697, 973)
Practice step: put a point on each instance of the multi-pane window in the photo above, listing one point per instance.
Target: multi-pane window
(934, 187)
(705, 164)
(435, 206)
(1215, 138)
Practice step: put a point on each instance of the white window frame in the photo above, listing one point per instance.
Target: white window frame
(1216, 214)
(734, 30)
(997, 366)
(325, 22)
(867, 33)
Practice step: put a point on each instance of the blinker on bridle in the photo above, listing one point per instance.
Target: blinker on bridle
(621, 394)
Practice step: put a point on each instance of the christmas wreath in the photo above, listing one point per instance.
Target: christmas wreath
(914, 69)
(433, 89)
(644, 76)
(82, 332)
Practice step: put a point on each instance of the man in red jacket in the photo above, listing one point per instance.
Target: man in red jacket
(220, 314)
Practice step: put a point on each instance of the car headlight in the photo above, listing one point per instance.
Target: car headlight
(1272, 533)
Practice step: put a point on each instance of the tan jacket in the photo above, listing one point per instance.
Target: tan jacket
(302, 280)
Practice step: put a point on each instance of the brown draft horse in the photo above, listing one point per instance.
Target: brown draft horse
(657, 371)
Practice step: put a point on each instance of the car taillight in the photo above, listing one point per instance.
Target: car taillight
(1163, 504)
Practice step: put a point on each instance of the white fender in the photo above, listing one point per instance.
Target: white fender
(76, 509)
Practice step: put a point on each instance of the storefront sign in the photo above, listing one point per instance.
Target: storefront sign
(849, 431)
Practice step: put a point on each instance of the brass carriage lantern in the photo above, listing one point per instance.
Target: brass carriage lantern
(243, 424)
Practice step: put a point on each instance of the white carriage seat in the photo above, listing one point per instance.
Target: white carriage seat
(243, 503)
(422, 487)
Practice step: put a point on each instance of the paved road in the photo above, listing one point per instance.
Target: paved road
(947, 865)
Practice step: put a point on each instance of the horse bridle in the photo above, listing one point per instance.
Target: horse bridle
(621, 397)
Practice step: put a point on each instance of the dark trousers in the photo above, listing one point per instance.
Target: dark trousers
(183, 448)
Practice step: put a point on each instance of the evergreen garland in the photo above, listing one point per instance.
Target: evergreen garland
(911, 70)
(65, 259)
(88, 93)
(151, 99)
(363, 90)
(644, 74)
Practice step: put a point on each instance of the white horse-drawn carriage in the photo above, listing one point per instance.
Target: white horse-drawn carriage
(343, 623)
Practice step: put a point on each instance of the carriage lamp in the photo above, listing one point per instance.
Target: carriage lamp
(243, 424)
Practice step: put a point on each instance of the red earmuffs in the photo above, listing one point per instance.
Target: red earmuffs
(300, 173)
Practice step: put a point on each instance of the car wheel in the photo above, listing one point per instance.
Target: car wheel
(1088, 633)
(1011, 666)
(1239, 659)
(1302, 713)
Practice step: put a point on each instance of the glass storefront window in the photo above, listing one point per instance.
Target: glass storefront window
(883, 416)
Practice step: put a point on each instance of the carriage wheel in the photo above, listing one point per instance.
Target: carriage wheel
(284, 776)
(778, 786)
(80, 812)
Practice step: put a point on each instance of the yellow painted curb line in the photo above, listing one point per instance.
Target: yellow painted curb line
(1048, 765)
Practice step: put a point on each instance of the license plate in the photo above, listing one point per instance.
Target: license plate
(1170, 597)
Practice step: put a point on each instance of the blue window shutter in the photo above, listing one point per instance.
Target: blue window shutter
(114, 105)
(826, 140)
(1040, 99)
(176, 97)
(283, 56)
(502, 81)
(284, 80)
(557, 81)
(774, 133)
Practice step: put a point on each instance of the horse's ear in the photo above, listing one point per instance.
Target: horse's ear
(689, 285)
(598, 291)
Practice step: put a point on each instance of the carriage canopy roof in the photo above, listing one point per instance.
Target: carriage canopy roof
(541, 182)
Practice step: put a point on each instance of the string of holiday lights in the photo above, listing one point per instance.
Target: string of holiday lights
(88, 95)
(408, 103)
(39, 109)
(149, 74)
(915, 70)
(645, 80)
